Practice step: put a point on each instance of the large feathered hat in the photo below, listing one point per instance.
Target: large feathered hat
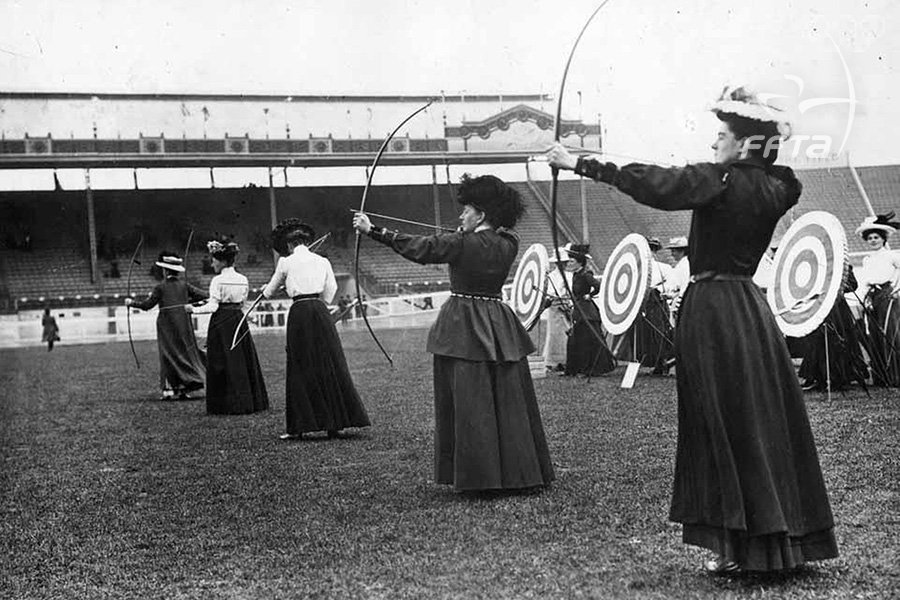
(881, 223)
(743, 102)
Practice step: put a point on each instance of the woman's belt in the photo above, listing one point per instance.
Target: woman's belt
(476, 296)
(714, 276)
(300, 297)
(231, 305)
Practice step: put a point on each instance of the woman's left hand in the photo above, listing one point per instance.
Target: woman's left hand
(362, 223)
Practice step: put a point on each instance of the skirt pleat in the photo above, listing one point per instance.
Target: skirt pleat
(843, 363)
(234, 380)
(181, 363)
(585, 353)
(488, 430)
(746, 464)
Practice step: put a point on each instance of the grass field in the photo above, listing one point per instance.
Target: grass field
(108, 492)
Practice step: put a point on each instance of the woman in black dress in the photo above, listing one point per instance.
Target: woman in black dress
(319, 392)
(843, 363)
(586, 353)
(748, 485)
(234, 381)
(488, 431)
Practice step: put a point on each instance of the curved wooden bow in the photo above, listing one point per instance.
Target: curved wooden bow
(235, 340)
(362, 208)
(140, 243)
(554, 183)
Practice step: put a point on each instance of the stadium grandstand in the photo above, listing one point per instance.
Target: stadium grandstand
(65, 244)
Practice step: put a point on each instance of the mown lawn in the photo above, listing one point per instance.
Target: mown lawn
(108, 492)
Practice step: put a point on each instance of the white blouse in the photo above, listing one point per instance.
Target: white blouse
(228, 286)
(880, 267)
(677, 281)
(303, 272)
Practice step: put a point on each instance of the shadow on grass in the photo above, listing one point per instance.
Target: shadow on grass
(318, 437)
(446, 494)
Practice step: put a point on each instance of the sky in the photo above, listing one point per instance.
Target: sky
(649, 67)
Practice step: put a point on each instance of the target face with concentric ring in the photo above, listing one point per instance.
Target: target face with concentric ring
(529, 285)
(626, 279)
(809, 270)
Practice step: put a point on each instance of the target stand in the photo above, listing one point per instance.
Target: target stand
(623, 290)
(810, 268)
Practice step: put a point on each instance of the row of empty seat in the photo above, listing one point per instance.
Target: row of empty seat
(57, 262)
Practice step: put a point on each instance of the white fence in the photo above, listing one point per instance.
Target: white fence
(109, 323)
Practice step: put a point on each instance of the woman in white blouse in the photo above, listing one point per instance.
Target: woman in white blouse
(319, 393)
(234, 380)
(879, 288)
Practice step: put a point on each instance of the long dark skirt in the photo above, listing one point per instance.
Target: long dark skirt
(585, 354)
(488, 433)
(882, 336)
(655, 335)
(650, 340)
(844, 363)
(234, 381)
(320, 395)
(181, 363)
(747, 479)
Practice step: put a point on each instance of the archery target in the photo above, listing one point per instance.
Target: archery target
(529, 285)
(809, 270)
(625, 282)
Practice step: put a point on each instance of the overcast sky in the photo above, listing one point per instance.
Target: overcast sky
(650, 67)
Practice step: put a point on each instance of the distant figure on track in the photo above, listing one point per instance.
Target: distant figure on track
(51, 329)
(488, 430)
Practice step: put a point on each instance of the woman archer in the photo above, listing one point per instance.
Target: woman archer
(234, 380)
(182, 367)
(488, 430)
(748, 484)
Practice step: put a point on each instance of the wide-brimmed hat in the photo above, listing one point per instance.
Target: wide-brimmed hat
(676, 243)
(881, 223)
(745, 103)
(654, 243)
(170, 262)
